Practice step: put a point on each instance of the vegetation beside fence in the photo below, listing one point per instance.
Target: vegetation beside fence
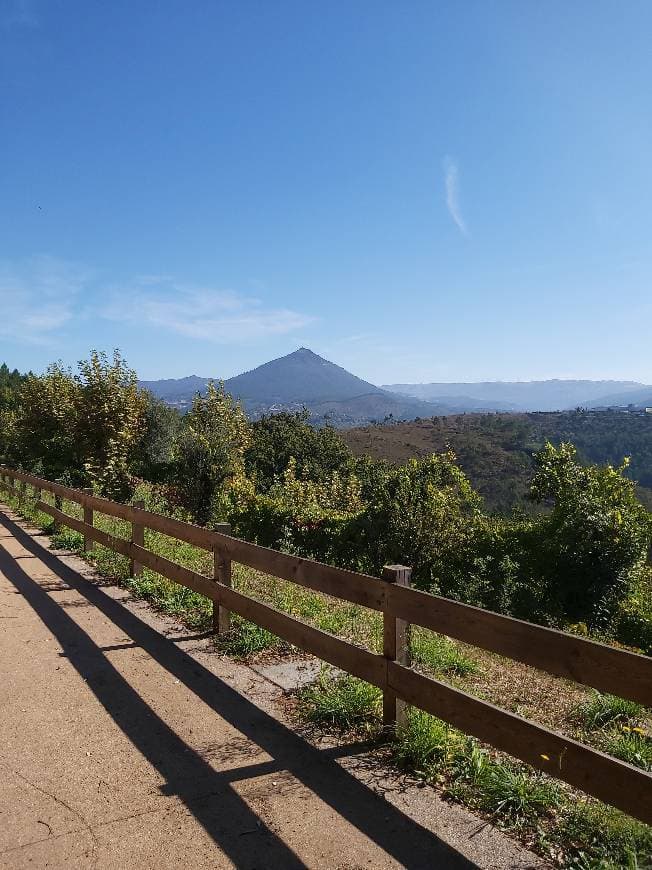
(582, 561)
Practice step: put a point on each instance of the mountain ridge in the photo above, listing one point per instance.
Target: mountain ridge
(330, 392)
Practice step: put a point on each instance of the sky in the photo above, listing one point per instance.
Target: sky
(418, 191)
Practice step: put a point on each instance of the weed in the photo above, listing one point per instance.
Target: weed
(600, 710)
(632, 746)
(597, 836)
(425, 744)
(344, 702)
(67, 539)
(246, 638)
(515, 795)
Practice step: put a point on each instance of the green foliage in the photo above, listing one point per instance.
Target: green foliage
(343, 702)
(209, 455)
(278, 439)
(601, 709)
(46, 424)
(284, 484)
(426, 745)
(515, 795)
(595, 539)
(423, 514)
(496, 450)
(10, 384)
(154, 457)
(633, 746)
(110, 421)
(597, 836)
(84, 427)
(634, 619)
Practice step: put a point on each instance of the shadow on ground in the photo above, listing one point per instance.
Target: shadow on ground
(206, 792)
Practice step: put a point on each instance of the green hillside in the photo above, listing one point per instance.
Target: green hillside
(495, 450)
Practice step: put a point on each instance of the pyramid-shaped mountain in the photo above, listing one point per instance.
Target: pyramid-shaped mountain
(302, 376)
(305, 379)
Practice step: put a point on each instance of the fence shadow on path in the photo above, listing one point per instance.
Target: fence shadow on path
(207, 793)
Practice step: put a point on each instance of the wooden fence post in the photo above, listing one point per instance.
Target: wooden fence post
(88, 519)
(137, 537)
(396, 646)
(221, 573)
(58, 503)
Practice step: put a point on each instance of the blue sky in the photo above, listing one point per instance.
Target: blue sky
(416, 190)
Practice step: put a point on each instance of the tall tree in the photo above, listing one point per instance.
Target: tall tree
(209, 454)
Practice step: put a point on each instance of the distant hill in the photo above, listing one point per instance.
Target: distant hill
(176, 391)
(552, 395)
(302, 376)
(496, 450)
(305, 379)
(637, 398)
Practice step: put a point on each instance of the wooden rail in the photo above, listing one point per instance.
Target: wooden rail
(606, 668)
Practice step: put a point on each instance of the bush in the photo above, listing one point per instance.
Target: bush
(595, 541)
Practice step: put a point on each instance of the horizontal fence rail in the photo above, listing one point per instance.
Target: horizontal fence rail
(606, 668)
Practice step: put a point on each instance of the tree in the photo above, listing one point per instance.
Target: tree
(154, 456)
(110, 421)
(422, 514)
(83, 427)
(10, 384)
(209, 454)
(596, 537)
(45, 432)
(279, 438)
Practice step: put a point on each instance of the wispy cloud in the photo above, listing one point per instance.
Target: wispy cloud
(452, 185)
(219, 316)
(39, 297)
(42, 299)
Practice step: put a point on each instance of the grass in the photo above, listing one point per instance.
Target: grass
(633, 746)
(343, 702)
(575, 833)
(601, 709)
(439, 654)
(426, 745)
(246, 639)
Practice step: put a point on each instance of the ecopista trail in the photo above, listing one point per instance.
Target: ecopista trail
(123, 747)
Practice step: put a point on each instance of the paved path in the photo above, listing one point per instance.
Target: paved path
(123, 747)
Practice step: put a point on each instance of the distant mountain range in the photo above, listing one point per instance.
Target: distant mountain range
(552, 395)
(305, 379)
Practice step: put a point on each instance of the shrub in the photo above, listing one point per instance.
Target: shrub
(596, 539)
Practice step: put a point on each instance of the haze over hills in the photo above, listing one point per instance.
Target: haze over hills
(639, 398)
(305, 379)
(551, 395)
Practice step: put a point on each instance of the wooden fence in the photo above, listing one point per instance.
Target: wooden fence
(606, 668)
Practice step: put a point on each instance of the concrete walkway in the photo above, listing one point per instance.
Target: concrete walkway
(126, 741)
